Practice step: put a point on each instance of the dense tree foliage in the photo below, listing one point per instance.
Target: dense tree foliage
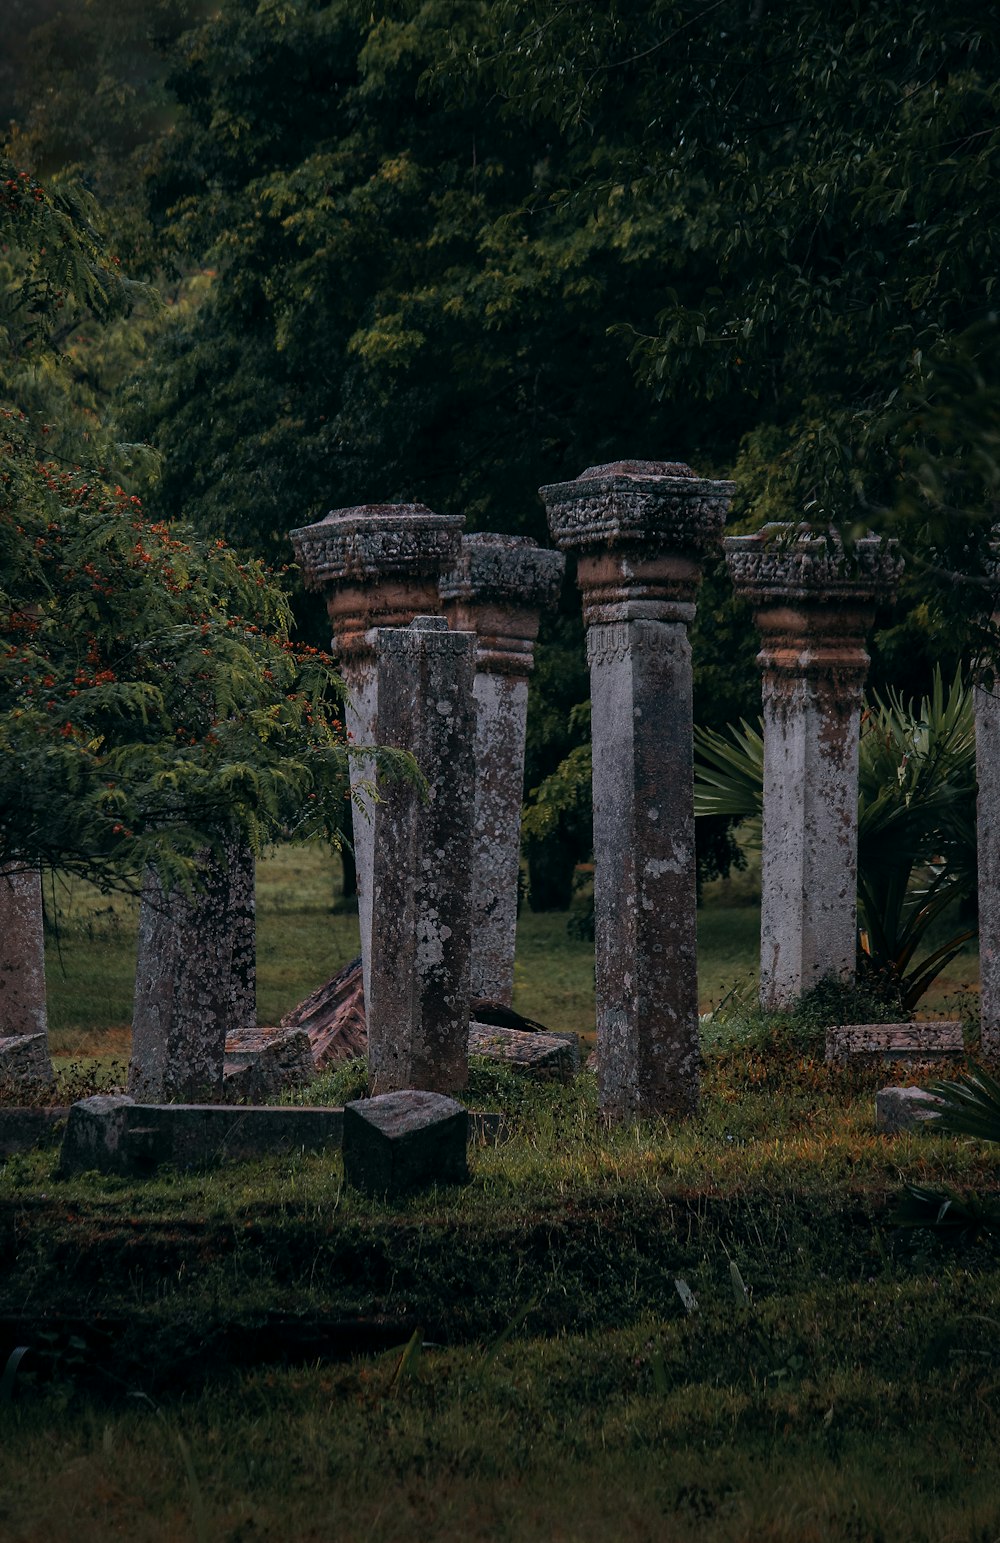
(150, 698)
(451, 249)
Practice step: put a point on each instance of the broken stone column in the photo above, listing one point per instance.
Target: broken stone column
(23, 1014)
(641, 529)
(377, 565)
(987, 707)
(418, 1003)
(814, 605)
(498, 591)
(195, 979)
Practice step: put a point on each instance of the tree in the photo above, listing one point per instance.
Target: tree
(150, 697)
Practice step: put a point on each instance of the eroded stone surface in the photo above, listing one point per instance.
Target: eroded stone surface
(377, 565)
(116, 1135)
(22, 958)
(260, 1063)
(24, 1060)
(539, 1055)
(403, 1141)
(987, 707)
(640, 530)
(498, 590)
(195, 979)
(418, 1003)
(814, 605)
(899, 1109)
(895, 1041)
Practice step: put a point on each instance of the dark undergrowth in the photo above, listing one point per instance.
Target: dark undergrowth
(702, 1330)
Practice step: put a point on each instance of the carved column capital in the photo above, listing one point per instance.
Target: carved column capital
(378, 566)
(498, 589)
(641, 530)
(814, 600)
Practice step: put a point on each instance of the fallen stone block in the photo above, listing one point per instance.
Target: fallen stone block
(95, 1133)
(399, 1142)
(906, 1042)
(899, 1109)
(261, 1063)
(24, 1059)
(539, 1055)
(23, 1129)
(115, 1135)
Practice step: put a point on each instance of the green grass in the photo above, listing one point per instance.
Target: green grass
(563, 1391)
(304, 937)
(191, 1374)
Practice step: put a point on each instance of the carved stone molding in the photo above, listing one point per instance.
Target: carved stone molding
(375, 542)
(655, 505)
(793, 564)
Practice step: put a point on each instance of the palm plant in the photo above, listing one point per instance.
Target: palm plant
(967, 1106)
(916, 822)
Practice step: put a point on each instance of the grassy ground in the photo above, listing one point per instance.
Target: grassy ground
(303, 939)
(809, 1378)
(707, 1330)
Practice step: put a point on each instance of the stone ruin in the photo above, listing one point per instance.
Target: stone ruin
(435, 634)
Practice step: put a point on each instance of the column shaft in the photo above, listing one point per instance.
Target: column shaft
(418, 1009)
(22, 963)
(988, 833)
(641, 529)
(644, 866)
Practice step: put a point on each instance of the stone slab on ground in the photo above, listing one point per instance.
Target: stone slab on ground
(262, 1062)
(403, 1141)
(113, 1134)
(540, 1055)
(899, 1109)
(23, 1128)
(895, 1041)
(24, 1058)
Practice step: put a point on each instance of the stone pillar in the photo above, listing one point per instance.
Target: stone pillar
(641, 529)
(195, 979)
(814, 604)
(377, 565)
(418, 1005)
(23, 1010)
(987, 706)
(498, 591)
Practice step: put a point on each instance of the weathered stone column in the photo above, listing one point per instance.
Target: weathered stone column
(23, 1012)
(418, 1006)
(814, 604)
(641, 529)
(987, 706)
(378, 565)
(498, 591)
(195, 979)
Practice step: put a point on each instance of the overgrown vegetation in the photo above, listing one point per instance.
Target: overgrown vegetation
(679, 1308)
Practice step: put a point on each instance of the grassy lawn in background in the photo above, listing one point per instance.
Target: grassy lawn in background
(703, 1330)
(304, 936)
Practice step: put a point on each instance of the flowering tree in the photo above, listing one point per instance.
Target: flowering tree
(150, 696)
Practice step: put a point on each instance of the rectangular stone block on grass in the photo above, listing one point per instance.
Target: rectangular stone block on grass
(907, 1042)
(540, 1055)
(116, 1135)
(899, 1109)
(404, 1141)
(24, 1059)
(263, 1062)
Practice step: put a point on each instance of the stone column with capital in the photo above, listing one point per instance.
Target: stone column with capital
(640, 530)
(498, 590)
(418, 1006)
(814, 604)
(377, 565)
